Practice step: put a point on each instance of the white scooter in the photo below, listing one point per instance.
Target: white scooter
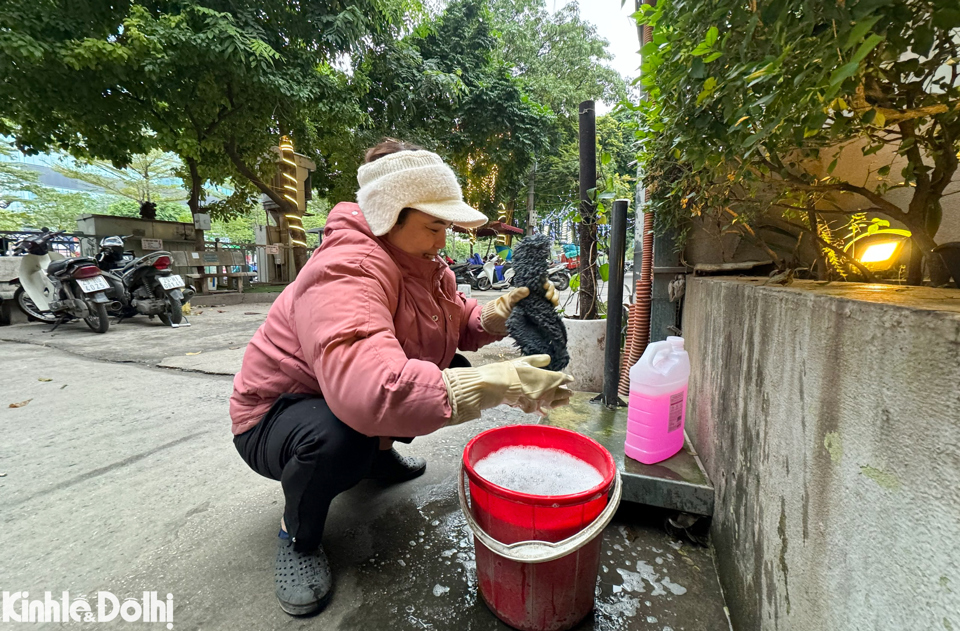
(56, 289)
(487, 278)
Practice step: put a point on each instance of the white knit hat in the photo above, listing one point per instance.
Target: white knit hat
(412, 179)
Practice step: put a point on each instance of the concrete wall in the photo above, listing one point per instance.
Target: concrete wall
(828, 418)
(175, 235)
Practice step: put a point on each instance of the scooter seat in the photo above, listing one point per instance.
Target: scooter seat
(57, 266)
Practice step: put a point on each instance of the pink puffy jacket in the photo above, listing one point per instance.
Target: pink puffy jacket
(367, 326)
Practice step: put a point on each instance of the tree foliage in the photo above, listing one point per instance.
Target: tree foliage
(492, 85)
(442, 87)
(215, 82)
(753, 114)
(148, 177)
(559, 57)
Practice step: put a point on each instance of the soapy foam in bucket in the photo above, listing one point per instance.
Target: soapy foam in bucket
(538, 471)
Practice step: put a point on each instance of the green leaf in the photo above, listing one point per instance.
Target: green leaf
(865, 48)
(833, 165)
(922, 40)
(858, 31)
(844, 72)
(605, 272)
(884, 171)
(947, 18)
(702, 49)
(697, 69)
(760, 73)
(709, 86)
(712, 57)
(752, 140)
(605, 158)
(575, 282)
(712, 34)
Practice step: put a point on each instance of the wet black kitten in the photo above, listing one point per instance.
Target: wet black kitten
(534, 322)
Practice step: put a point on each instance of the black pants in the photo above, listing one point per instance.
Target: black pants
(314, 455)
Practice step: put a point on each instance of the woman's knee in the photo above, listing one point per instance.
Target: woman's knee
(345, 444)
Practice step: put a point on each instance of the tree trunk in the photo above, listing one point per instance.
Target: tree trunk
(531, 213)
(299, 252)
(922, 245)
(588, 211)
(588, 268)
(821, 262)
(196, 188)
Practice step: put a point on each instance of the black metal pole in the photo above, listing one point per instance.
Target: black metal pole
(588, 211)
(611, 358)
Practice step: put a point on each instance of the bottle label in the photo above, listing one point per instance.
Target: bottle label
(676, 411)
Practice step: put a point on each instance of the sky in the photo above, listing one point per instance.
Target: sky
(615, 25)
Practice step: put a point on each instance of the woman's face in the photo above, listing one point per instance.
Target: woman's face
(421, 235)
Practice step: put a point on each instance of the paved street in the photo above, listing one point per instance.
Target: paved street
(119, 475)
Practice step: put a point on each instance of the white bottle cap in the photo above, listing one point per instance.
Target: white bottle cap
(677, 342)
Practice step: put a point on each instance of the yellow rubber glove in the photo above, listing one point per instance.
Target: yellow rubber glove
(519, 382)
(493, 317)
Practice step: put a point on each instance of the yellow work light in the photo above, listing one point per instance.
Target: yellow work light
(879, 252)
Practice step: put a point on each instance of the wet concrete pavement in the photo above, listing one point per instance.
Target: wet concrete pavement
(121, 476)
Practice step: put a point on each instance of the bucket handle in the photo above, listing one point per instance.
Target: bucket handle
(541, 551)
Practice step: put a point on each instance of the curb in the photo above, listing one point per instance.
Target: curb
(207, 300)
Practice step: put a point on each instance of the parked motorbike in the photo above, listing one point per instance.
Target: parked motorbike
(56, 289)
(462, 272)
(143, 285)
(559, 275)
(487, 277)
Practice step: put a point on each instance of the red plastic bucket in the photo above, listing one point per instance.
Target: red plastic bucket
(538, 556)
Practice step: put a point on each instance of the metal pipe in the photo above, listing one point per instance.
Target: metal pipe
(611, 358)
(588, 211)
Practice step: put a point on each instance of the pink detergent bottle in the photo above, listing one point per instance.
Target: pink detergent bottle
(658, 402)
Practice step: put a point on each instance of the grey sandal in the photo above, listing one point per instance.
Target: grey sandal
(303, 580)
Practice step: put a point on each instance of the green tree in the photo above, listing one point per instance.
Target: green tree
(149, 177)
(559, 57)
(560, 60)
(752, 110)
(18, 186)
(215, 82)
(59, 211)
(444, 87)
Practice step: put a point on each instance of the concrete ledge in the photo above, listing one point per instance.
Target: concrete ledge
(678, 483)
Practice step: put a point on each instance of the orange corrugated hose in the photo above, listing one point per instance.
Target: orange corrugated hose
(638, 326)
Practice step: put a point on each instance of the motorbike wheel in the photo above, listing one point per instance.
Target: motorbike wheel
(31, 309)
(560, 281)
(483, 284)
(99, 322)
(174, 315)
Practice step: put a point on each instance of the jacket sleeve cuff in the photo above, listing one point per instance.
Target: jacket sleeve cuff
(492, 320)
(465, 391)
